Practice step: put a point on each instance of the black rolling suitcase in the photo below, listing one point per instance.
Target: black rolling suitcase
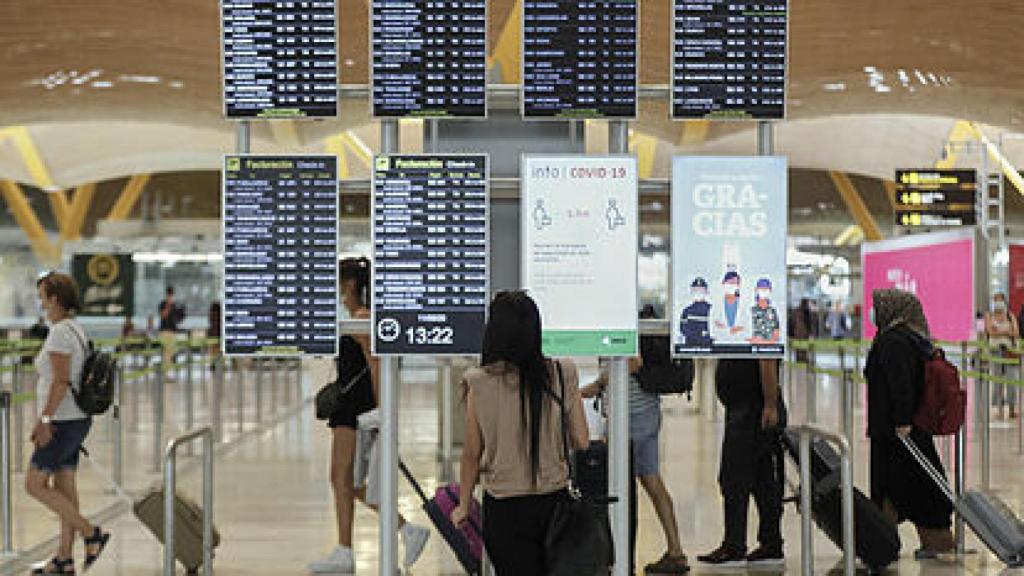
(877, 540)
(992, 520)
(467, 545)
(592, 478)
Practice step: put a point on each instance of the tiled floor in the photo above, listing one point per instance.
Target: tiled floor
(273, 501)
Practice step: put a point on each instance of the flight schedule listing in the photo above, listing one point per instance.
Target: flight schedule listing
(430, 253)
(580, 58)
(280, 255)
(729, 59)
(280, 58)
(429, 58)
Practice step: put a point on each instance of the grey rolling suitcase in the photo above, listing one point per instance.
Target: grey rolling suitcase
(990, 518)
(188, 526)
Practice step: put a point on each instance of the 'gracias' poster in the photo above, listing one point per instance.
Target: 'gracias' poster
(729, 256)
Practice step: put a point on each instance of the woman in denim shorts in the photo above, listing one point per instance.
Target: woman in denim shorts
(62, 427)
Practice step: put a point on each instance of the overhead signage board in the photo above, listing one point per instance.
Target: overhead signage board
(729, 59)
(579, 226)
(580, 59)
(938, 268)
(106, 283)
(280, 59)
(936, 198)
(429, 59)
(729, 217)
(280, 255)
(430, 259)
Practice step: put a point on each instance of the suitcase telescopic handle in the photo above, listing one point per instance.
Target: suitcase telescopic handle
(939, 480)
(412, 481)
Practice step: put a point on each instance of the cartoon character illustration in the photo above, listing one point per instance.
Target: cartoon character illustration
(695, 320)
(614, 215)
(732, 321)
(541, 218)
(764, 316)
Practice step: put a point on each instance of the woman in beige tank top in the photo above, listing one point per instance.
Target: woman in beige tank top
(514, 435)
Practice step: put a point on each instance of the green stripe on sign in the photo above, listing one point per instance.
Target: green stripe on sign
(589, 342)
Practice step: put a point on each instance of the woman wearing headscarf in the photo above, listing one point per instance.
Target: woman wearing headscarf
(895, 375)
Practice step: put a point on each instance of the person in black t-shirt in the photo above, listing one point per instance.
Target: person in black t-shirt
(751, 462)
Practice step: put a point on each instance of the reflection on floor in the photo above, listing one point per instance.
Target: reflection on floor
(273, 505)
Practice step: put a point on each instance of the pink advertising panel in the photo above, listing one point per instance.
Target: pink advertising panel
(938, 268)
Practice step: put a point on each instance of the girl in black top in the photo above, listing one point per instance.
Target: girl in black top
(357, 366)
(895, 375)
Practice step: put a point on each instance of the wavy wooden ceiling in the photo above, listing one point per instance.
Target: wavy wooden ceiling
(162, 59)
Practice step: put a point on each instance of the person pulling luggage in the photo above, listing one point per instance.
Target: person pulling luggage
(895, 375)
(751, 461)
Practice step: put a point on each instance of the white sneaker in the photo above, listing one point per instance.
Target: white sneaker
(339, 561)
(414, 538)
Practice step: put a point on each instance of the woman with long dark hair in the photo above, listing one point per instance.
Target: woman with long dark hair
(514, 435)
(355, 364)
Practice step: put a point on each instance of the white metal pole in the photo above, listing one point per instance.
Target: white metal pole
(447, 418)
(6, 508)
(389, 385)
(618, 449)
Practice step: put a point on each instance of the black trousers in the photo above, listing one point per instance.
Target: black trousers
(752, 466)
(514, 531)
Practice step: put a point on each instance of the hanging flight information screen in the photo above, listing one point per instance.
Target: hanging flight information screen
(729, 59)
(280, 255)
(579, 59)
(429, 58)
(280, 58)
(430, 253)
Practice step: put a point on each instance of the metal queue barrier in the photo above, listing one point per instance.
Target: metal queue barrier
(205, 434)
(807, 432)
(6, 480)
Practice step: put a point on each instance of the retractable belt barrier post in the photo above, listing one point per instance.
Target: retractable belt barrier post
(170, 481)
(158, 416)
(811, 384)
(986, 367)
(6, 480)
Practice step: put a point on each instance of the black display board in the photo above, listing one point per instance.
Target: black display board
(936, 198)
(106, 283)
(280, 58)
(580, 59)
(429, 58)
(280, 255)
(430, 239)
(729, 59)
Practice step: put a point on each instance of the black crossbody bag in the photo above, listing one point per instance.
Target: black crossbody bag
(578, 540)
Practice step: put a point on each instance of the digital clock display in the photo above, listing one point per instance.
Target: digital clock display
(430, 260)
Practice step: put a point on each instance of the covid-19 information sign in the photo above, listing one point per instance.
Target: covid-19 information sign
(729, 256)
(579, 249)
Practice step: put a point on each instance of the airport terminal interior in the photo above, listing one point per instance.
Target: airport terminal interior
(239, 192)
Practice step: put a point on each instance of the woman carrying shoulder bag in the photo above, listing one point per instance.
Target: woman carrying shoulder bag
(62, 426)
(515, 437)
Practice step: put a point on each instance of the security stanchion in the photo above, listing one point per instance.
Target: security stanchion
(116, 426)
(19, 417)
(6, 480)
(216, 418)
(240, 372)
(158, 418)
(846, 394)
(811, 383)
(959, 484)
(260, 366)
(986, 421)
(447, 415)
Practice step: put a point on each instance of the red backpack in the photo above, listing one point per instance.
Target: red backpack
(943, 403)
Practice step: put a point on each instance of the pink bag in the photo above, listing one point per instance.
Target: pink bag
(447, 499)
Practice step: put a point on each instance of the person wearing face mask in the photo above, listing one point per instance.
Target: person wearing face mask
(695, 318)
(1001, 332)
(62, 426)
(731, 322)
(764, 317)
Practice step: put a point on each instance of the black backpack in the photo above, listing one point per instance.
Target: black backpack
(660, 372)
(95, 391)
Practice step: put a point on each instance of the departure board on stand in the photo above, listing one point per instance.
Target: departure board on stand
(280, 255)
(430, 238)
(729, 59)
(580, 59)
(280, 59)
(429, 58)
